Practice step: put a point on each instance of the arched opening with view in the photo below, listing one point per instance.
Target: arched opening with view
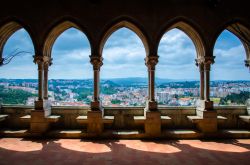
(177, 77)
(230, 79)
(70, 75)
(123, 74)
(18, 73)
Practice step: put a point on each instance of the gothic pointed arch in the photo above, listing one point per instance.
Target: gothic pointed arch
(55, 32)
(121, 23)
(190, 31)
(240, 30)
(8, 29)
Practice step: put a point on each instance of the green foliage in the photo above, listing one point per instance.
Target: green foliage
(235, 98)
(14, 96)
(108, 90)
(83, 93)
(116, 101)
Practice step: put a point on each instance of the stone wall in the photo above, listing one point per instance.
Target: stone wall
(124, 117)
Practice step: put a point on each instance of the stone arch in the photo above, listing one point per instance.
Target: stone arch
(240, 30)
(191, 32)
(55, 33)
(127, 24)
(10, 28)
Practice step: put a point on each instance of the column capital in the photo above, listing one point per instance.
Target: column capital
(204, 60)
(42, 59)
(151, 61)
(96, 61)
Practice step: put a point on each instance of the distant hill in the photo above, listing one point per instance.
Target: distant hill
(139, 81)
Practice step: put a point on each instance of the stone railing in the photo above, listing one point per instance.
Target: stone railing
(123, 116)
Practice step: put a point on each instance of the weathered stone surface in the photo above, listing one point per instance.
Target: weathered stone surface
(153, 123)
(95, 122)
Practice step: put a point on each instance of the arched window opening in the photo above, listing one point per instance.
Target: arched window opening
(177, 77)
(18, 78)
(230, 80)
(124, 74)
(70, 75)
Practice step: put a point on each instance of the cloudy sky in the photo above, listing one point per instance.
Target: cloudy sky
(124, 57)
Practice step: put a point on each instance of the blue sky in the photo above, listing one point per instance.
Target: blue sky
(124, 57)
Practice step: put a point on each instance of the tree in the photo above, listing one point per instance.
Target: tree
(6, 60)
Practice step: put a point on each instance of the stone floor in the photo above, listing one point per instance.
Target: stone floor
(75, 151)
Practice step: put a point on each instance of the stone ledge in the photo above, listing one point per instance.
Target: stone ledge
(196, 119)
(25, 118)
(165, 119)
(142, 119)
(3, 117)
(245, 119)
(139, 119)
(82, 119)
(106, 119)
(53, 118)
(50, 119)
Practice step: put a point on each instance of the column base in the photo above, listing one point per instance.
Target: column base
(248, 106)
(205, 110)
(153, 123)
(206, 105)
(151, 106)
(96, 106)
(43, 105)
(39, 123)
(95, 122)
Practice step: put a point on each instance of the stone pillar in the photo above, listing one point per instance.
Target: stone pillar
(38, 123)
(45, 85)
(96, 61)
(208, 124)
(39, 61)
(95, 121)
(207, 81)
(152, 124)
(201, 69)
(151, 62)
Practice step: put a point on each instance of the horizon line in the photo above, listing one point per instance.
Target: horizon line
(121, 78)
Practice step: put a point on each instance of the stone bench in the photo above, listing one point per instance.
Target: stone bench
(139, 119)
(196, 119)
(165, 119)
(84, 119)
(50, 119)
(53, 118)
(108, 119)
(3, 117)
(221, 119)
(142, 119)
(25, 118)
(245, 119)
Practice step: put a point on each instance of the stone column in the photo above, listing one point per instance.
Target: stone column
(207, 65)
(39, 123)
(151, 62)
(201, 69)
(95, 121)
(45, 85)
(96, 61)
(152, 124)
(40, 62)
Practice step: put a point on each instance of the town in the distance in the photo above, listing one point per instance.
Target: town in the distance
(123, 92)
